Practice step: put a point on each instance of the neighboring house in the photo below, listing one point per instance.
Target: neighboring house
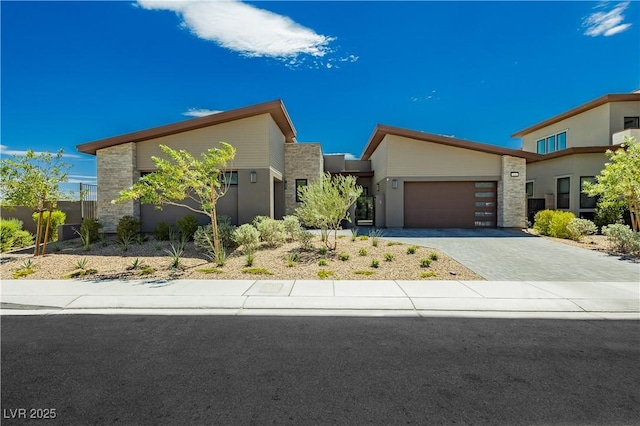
(571, 149)
(410, 179)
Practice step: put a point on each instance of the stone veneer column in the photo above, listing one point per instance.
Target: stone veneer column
(512, 210)
(301, 161)
(116, 171)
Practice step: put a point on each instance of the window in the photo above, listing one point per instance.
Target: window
(587, 202)
(562, 193)
(229, 178)
(529, 189)
(299, 184)
(632, 122)
(552, 143)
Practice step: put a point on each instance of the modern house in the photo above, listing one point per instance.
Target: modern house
(411, 179)
(571, 147)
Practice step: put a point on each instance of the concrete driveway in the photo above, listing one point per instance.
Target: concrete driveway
(511, 255)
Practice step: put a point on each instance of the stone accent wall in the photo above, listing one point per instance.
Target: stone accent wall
(116, 171)
(301, 161)
(512, 209)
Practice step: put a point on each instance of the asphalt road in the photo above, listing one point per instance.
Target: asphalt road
(194, 370)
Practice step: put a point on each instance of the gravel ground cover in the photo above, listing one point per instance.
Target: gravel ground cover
(351, 260)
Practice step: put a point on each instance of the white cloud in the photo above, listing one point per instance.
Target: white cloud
(606, 23)
(4, 150)
(347, 155)
(251, 31)
(199, 112)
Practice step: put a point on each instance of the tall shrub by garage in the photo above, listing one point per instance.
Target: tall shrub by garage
(558, 227)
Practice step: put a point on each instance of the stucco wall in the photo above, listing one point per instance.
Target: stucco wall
(250, 136)
(544, 175)
(591, 128)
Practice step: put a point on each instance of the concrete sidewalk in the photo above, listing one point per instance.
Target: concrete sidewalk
(519, 299)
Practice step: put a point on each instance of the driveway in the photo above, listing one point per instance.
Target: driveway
(504, 255)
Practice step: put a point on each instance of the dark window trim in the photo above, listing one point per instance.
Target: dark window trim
(631, 122)
(567, 194)
(584, 198)
(299, 183)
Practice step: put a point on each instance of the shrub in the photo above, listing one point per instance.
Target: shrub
(323, 250)
(323, 262)
(363, 272)
(225, 231)
(427, 274)
(250, 259)
(580, 227)
(128, 226)
(375, 263)
(542, 220)
(558, 225)
(412, 249)
(188, 226)
(388, 257)
(162, 231)
(375, 235)
(354, 234)
(91, 227)
(12, 234)
(291, 226)
(433, 256)
(305, 238)
(607, 214)
(324, 273)
(57, 218)
(623, 238)
(363, 252)
(271, 231)
(256, 271)
(425, 263)
(344, 256)
(247, 236)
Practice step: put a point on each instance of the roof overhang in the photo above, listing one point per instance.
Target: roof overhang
(624, 97)
(383, 130)
(572, 151)
(275, 108)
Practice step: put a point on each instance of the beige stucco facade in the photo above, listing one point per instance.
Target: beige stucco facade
(402, 159)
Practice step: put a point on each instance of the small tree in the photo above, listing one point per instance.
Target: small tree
(619, 181)
(33, 181)
(181, 178)
(326, 202)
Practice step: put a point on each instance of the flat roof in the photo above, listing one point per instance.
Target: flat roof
(275, 108)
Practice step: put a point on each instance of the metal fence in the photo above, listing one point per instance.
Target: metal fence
(88, 200)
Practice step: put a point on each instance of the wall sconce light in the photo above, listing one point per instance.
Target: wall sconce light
(253, 177)
(515, 174)
(377, 187)
(394, 184)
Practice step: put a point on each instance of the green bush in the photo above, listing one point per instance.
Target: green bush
(608, 214)
(271, 231)
(623, 238)
(188, 226)
(128, 227)
(291, 226)
(305, 238)
(542, 220)
(225, 231)
(57, 218)
(162, 231)
(578, 228)
(12, 235)
(247, 236)
(558, 225)
(91, 227)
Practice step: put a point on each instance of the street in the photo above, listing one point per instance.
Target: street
(198, 370)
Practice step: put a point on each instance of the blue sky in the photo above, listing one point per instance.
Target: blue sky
(74, 72)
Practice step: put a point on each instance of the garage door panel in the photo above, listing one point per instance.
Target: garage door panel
(449, 204)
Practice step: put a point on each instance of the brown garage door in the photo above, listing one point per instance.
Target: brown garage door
(450, 204)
